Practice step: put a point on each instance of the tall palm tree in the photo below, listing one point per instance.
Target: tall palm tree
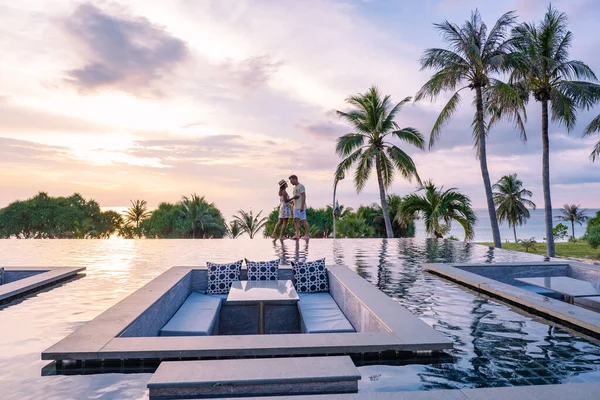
(509, 197)
(136, 214)
(439, 208)
(594, 126)
(571, 213)
(544, 69)
(469, 62)
(250, 224)
(372, 118)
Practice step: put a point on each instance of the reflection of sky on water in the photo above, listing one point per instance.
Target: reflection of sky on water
(494, 344)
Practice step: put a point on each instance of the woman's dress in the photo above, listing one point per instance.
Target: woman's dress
(285, 211)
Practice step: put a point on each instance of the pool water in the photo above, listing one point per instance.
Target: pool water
(495, 344)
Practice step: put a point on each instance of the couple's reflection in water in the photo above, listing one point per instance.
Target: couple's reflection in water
(295, 251)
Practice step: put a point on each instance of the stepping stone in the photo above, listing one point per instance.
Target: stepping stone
(254, 377)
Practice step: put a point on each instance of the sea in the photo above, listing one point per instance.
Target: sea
(534, 227)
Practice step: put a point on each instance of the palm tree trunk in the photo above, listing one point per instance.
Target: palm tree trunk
(515, 232)
(546, 181)
(484, 171)
(384, 206)
(573, 229)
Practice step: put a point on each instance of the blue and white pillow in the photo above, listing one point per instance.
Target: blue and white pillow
(262, 270)
(311, 277)
(2, 276)
(221, 276)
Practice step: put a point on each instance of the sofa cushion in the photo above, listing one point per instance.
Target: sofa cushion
(310, 277)
(319, 313)
(220, 276)
(262, 270)
(197, 316)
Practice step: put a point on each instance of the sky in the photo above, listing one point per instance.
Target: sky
(154, 100)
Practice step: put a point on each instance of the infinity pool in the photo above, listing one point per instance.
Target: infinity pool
(495, 345)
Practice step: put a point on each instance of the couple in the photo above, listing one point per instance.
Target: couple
(285, 212)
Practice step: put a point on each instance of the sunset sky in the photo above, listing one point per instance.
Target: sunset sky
(158, 99)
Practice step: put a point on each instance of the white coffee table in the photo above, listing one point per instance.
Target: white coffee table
(568, 287)
(261, 293)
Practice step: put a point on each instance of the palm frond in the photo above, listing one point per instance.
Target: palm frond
(563, 109)
(410, 136)
(363, 170)
(444, 117)
(403, 162)
(348, 143)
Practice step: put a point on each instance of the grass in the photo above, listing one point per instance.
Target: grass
(577, 250)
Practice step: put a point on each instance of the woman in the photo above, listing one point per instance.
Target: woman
(285, 212)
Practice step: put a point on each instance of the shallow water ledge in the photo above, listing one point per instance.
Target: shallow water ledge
(26, 280)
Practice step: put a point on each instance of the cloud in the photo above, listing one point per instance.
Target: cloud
(123, 52)
(253, 72)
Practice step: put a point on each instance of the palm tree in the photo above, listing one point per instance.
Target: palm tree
(136, 214)
(234, 230)
(571, 213)
(544, 69)
(372, 118)
(509, 197)
(594, 126)
(439, 208)
(200, 216)
(471, 58)
(250, 224)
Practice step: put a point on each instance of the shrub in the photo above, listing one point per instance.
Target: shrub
(560, 231)
(528, 244)
(593, 236)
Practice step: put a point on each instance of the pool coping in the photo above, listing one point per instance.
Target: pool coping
(571, 391)
(99, 338)
(46, 277)
(586, 320)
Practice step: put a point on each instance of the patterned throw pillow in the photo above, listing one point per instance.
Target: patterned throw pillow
(311, 276)
(221, 276)
(262, 270)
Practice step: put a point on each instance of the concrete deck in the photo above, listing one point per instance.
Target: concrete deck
(128, 329)
(257, 377)
(570, 391)
(35, 279)
(580, 318)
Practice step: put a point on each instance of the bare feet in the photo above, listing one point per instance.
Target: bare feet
(306, 237)
(296, 238)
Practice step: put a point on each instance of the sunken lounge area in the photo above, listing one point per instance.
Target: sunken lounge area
(160, 322)
(17, 282)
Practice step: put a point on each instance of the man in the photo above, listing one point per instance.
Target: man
(299, 207)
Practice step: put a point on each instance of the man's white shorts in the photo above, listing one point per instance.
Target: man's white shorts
(300, 214)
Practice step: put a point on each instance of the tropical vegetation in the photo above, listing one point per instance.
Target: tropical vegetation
(511, 202)
(473, 59)
(372, 118)
(528, 244)
(46, 217)
(560, 231)
(592, 231)
(366, 221)
(439, 208)
(134, 216)
(574, 214)
(248, 223)
(542, 67)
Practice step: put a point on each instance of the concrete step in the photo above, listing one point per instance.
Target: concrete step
(254, 377)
